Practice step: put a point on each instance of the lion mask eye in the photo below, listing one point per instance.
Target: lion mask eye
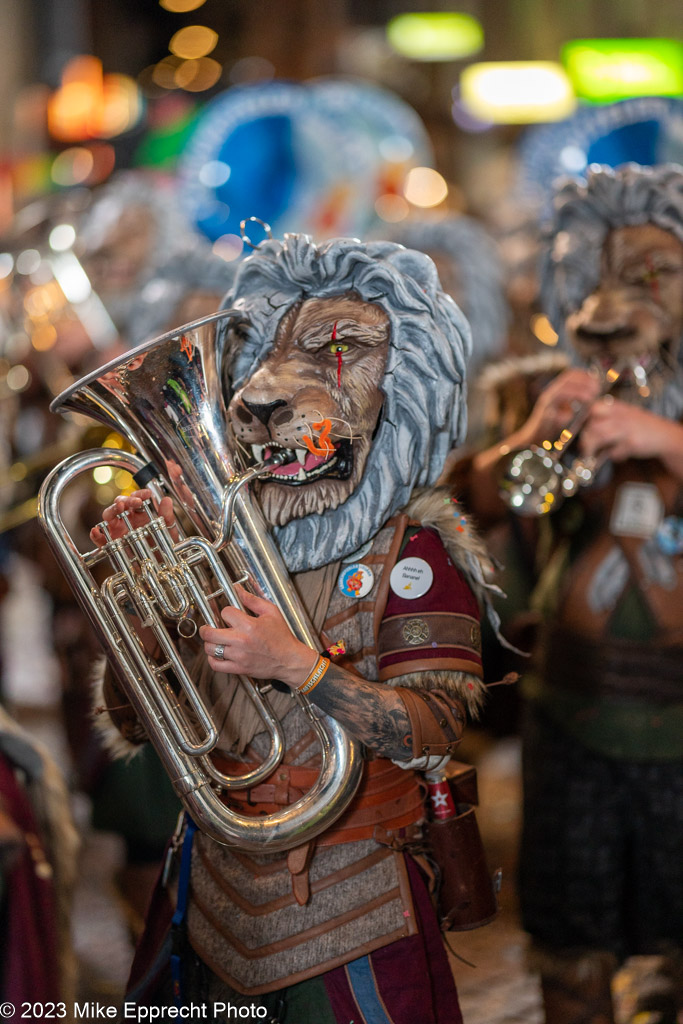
(338, 346)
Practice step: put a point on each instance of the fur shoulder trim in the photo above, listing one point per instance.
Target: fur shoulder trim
(466, 687)
(497, 375)
(118, 746)
(437, 509)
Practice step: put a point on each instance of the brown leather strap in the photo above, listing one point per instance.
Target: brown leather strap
(437, 720)
(399, 522)
(286, 785)
(298, 861)
(388, 797)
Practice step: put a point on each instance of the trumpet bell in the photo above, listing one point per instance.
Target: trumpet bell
(531, 483)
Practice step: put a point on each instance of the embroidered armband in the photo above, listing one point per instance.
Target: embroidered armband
(429, 641)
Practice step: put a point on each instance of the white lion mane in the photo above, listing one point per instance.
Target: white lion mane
(424, 410)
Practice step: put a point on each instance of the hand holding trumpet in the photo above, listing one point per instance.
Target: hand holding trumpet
(618, 431)
(556, 406)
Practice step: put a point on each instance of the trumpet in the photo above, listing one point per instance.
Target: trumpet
(166, 397)
(536, 481)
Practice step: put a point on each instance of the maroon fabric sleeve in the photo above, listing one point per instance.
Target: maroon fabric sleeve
(438, 631)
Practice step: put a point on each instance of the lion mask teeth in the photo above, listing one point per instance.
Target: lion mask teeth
(302, 466)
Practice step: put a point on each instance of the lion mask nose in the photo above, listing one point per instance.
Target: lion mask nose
(263, 412)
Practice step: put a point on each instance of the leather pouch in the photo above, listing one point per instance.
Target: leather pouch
(467, 892)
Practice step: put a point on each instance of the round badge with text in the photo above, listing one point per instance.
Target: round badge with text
(411, 578)
(356, 580)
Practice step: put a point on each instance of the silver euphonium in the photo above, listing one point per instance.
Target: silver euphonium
(167, 398)
(537, 480)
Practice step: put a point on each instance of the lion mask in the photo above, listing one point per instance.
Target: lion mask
(612, 278)
(360, 337)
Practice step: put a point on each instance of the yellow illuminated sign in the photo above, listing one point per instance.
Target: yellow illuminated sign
(517, 92)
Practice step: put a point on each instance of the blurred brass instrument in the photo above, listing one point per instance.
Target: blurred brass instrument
(50, 321)
(27, 469)
(537, 480)
(166, 397)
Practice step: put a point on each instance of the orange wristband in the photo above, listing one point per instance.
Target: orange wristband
(312, 680)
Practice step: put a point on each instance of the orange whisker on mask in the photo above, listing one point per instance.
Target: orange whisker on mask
(323, 445)
(338, 419)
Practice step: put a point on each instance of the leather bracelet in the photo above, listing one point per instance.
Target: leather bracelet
(312, 680)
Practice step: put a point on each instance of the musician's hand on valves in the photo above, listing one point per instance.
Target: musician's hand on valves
(132, 503)
(558, 404)
(620, 431)
(260, 645)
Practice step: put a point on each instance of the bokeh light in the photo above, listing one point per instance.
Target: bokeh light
(251, 69)
(391, 208)
(73, 110)
(163, 74)
(437, 36)
(193, 41)
(181, 6)
(104, 158)
(517, 92)
(425, 187)
(214, 173)
(122, 105)
(607, 70)
(228, 247)
(62, 237)
(28, 261)
(124, 482)
(198, 75)
(73, 166)
(542, 329)
(89, 104)
(18, 378)
(43, 337)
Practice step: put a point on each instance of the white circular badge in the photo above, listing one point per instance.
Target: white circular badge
(411, 578)
(356, 580)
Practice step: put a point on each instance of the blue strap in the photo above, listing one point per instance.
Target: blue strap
(178, 919)
(363, 984)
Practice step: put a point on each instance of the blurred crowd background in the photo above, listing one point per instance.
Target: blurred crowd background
(136, 139)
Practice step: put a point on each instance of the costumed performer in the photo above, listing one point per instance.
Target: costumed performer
(353, 362)
(601, 872)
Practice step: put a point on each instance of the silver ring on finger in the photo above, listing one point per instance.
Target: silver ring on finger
(219, 652)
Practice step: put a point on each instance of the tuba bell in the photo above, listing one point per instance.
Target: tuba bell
(166, 397)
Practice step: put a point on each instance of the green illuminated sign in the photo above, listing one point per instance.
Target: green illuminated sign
(606, 70)
(441, 35)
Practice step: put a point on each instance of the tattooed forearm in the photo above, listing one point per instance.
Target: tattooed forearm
(374, 714)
